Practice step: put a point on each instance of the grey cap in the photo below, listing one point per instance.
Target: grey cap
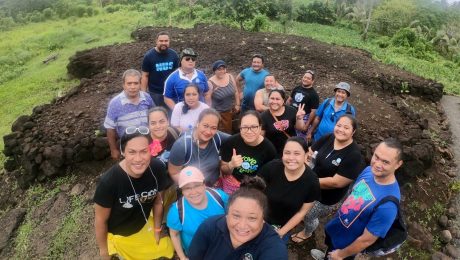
(343, 85)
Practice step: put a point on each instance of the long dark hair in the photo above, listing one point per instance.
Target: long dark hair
(186, 107)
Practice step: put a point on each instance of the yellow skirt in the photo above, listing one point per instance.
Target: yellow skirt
(141, 245)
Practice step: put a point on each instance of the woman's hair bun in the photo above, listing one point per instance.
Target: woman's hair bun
(253, 183)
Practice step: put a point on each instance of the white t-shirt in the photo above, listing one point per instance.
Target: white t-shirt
(186, 121)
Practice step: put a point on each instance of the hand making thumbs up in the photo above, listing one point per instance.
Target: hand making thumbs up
(236, 160)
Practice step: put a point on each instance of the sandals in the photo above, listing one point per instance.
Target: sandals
(299, 239)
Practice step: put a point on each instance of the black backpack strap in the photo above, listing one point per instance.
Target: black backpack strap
(387, 199)
(348, 109)
(216, 196)
(180, 209)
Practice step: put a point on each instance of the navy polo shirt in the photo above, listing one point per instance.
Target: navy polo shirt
(212, 241)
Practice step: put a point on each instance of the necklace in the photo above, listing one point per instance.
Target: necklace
(137, 197)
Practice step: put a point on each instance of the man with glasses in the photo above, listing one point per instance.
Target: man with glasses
(187, 73)
(158, 63)
(253, 78)
(129, 108)
(330, 110)
(305, 95)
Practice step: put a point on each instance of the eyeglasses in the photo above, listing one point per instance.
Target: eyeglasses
(141, 130)
(246, 129)
(190, 58)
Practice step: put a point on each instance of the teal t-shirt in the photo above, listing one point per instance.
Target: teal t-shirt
(194, 217)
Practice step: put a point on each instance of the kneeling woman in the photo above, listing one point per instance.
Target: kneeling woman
(292, 187)
(242, 232)
(125, 196)
(197, 204)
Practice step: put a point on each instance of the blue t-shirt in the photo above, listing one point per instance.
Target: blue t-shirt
(176, 82)
(357, 211)
(329, 116)
(253, 81)
(194, 217)
(159, 65)
(212, 241)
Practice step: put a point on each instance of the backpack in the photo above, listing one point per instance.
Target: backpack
(348, 109)
(180, 203)
(394, 238)
(188, 142)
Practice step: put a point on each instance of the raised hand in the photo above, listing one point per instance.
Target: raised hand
(300, 112)
(236, 160)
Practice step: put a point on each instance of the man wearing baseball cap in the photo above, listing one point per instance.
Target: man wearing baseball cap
(197, 204)
(330, 110)
(186, 73)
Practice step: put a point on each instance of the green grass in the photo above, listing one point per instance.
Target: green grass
(26, 81)
(68, 231)
(439, 70)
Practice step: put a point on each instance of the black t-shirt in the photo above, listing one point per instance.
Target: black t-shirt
(254, 157)
(307, 96)
(347, 162)
(114, 191)
(285, 198)
(273, 129)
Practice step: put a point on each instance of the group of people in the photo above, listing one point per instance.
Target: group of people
(185, 184)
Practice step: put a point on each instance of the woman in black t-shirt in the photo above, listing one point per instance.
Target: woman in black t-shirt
(292, 187)
(125, 196)
(338, 163)
(279, 120)
(245, 153)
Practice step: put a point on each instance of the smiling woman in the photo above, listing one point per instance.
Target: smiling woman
(124, 198)
(242, 232)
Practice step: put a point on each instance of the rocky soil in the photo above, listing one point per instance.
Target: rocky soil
(66, 136)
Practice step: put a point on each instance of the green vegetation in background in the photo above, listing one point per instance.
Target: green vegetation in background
(27, 82)
(22, 49)
(438, 69)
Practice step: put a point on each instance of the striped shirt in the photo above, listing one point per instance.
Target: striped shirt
(121, 113)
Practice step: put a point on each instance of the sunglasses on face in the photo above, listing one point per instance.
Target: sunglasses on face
(141, 130)
(190, 58)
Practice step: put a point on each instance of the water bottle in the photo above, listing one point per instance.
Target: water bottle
(311, 164)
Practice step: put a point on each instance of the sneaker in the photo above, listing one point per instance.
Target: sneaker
(317, 254)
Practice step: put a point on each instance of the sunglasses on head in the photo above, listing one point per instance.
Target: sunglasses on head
(310, 72)
(143, 130)
(190, 58)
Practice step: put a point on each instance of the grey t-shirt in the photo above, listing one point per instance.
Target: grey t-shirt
(186, 152)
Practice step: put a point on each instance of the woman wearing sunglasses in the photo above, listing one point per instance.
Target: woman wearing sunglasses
(186, 73)
(185, 113)
(200, 148)
(128, 202)
(245, 153)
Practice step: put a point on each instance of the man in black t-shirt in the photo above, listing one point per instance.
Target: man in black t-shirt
(158, 63)
(306, 95)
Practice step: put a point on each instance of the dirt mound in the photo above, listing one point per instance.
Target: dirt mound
(68, 131)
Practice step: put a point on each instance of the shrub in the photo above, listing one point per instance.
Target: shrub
(393, 15)
(6, 23)
(259, 23)
(316, 12)
(48, 13)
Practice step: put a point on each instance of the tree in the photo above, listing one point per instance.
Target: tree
(244, 10)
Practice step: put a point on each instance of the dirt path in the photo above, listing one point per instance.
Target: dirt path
(451, 105)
